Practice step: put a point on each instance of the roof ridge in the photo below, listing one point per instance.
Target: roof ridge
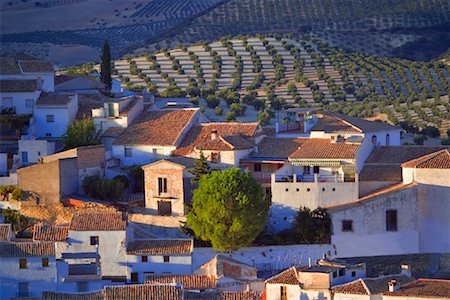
(421, 160)
(365, 286)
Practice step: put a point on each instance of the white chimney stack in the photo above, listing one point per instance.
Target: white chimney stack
(213, 135)
(393, 285)
(406, 270)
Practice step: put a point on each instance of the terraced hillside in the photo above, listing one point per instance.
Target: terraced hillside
(279, 72)
(375, 26)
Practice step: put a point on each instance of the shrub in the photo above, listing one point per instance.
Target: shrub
(15, 192)
(218, 111)
(124, 180)
(212, 101)
(231, 116)
(103, 188)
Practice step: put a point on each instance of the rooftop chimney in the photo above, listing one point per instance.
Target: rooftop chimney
(213, 134)
(406, 270)
(393, 285)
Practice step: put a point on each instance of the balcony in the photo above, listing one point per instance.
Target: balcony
(7, 110)
(312, 178)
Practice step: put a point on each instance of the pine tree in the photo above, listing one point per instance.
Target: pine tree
(201, 168)
(105, 66)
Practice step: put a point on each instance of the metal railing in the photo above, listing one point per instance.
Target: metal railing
(312, 178)
(7, 110)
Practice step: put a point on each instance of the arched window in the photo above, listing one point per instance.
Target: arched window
(388, 139)
(374, 139)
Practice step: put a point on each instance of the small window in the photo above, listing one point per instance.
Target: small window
(134, 277)
(341, 272)
(164, 208)
(334, 274)
(334, 189)
(162, 185)
(128, 152)
(316, 169)
(298, 190)
(353, 274)
(23, 263)
(308, 190)
(323, 189)
(388, 139)
(287, 190)
(391, 220)
(215, 157)
(257, 167)
(29, 103)
(306, 170)
(50, 118)
(166, 258)
(144, 258)
(24, 156)
(374, 139)
(45, 262)
(347, 225)
(48, 134)
(94, 240)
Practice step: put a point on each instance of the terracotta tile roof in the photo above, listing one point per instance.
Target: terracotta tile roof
(50, 233)
(361, 201)
(160, 247)
(226, 143)
(9, 66)
(189, 282)
(18, 85)
(238, 141)
(381, 173)
(106, 221)
(64, 78)
(329, 124)
(158, 128)
(199, 135)
(239, 295)
(53, 99)
(399, 154)
(35, 66)
(75, 296)
(324, 149)
(143, 291)
(27, 249)
(436, 160)
(288, 276)
(426, 288)
(365, 125)
(273, 147)
(5, 231)
(356, 287)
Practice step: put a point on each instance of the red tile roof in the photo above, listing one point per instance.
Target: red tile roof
(35, 66)
(72, 296)
(107, 221)
(381, 173)
(5, 231)
(356, 287)
(436, 160)
(160, 247)
(239, 295)
(226, 143)
(324, 149)
(273, 147)
(143, 291)
(370, 286)
(157, 128)
(399, 154)
(199, 135)
(53, 99)
(27, 249)
(50, 233)
(426, 288)
(18, 85)
(288, 276)
(189, 282)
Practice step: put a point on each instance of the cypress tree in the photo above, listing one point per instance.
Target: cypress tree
(201, 168)
(105, 66)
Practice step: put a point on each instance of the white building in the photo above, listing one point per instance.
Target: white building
(313, 282)
(22, 79)
(119, 112)
(27, 269)
(154, 135)
(398, 219)
(158, 256)
(96, 253)
(54, 112)
(31, 149)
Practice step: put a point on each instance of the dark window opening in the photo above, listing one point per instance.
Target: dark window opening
(257, 167)
(45, 262)
(164, 208)
(283, 292)
(391, 220)
(347, 225)
(23, 263)
(134, 277)
(334, 274)
(162, 185)
(316, 169)
(353, 274)
(94, 240)
(166, 258)
(341, 272)
(144, 258)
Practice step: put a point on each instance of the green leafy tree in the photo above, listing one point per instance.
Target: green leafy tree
(105, 66)
(312, 226)
(201, 168)
(229, 209)
(81, 133)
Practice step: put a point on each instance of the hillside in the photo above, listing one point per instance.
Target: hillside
(381, 27)
(285, 72)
